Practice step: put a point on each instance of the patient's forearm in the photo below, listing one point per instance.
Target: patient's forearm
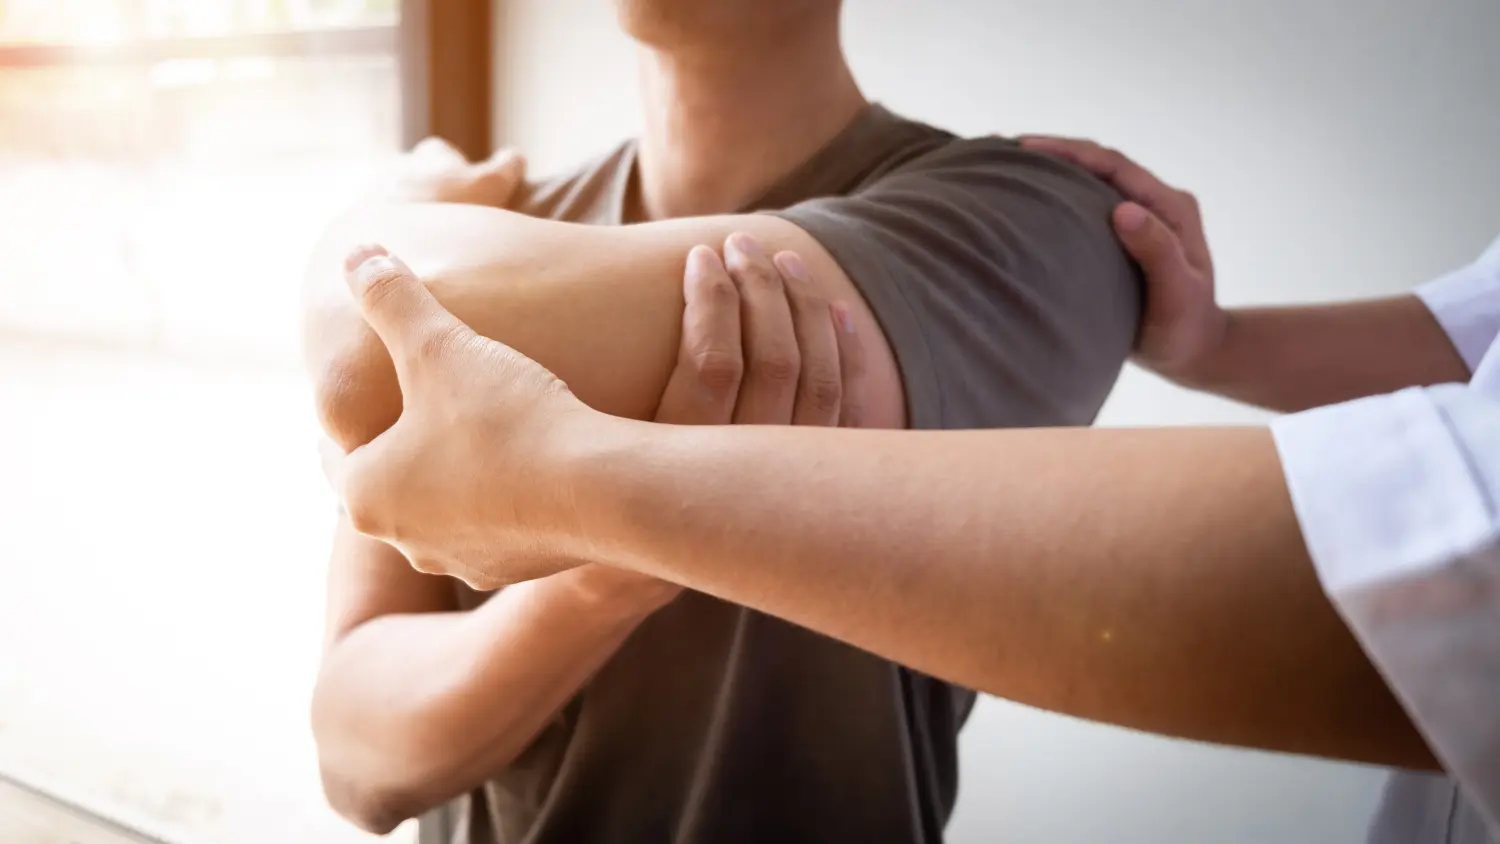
(416, 705)
(599, 306)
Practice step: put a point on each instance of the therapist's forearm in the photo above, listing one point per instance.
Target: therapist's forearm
(1152, 579)
(1295, 358)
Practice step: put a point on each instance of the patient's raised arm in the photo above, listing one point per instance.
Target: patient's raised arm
(599, 306)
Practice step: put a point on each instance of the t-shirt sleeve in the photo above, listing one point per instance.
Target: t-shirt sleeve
(995, 276)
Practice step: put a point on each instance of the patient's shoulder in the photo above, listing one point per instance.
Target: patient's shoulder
(593, 192)
(1000, 162)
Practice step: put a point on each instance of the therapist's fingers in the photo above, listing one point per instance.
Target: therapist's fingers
(768, 390)
(1111, 165)
(820, 383)
(851, 365)
(1178, 209)
(705, 383)
(415, 328)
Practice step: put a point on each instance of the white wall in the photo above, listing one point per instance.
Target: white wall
(1340, 147)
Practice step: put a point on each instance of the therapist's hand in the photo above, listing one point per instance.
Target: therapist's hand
(477, 477)
(471, 480)
(760, 346)
(1162, 228)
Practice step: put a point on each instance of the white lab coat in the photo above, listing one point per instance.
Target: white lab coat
(1398, 497)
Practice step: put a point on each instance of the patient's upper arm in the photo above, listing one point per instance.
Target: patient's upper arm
(987, 285)
(599, 306)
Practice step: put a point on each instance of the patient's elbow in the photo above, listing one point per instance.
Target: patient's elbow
(374, 777)
(357, 396)
(375, 811)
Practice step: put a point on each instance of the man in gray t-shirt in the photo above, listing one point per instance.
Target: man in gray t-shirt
(997, 283)
(995, 278)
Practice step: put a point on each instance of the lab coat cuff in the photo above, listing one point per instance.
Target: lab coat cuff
(1466, 303)
(1381, 488)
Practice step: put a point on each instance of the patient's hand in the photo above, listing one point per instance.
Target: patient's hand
(435, 171)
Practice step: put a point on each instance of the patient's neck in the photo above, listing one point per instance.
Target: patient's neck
(722, 127)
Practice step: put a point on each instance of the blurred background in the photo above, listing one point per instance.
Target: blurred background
(165, 165)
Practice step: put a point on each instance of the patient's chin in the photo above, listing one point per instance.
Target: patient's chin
(674, 24)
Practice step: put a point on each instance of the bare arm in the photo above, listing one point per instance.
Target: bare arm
(1151, 579)
(1287, 358)
(417, 703)
(1295, 358)
(599, 306)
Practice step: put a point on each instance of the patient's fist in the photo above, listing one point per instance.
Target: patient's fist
(435, 171)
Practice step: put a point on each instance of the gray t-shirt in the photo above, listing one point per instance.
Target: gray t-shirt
(1000, 286)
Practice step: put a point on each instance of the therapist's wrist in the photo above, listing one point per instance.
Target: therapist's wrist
(1214, 366)
(607, 470)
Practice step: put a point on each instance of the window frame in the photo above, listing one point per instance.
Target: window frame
(443, 50)
(446, 65)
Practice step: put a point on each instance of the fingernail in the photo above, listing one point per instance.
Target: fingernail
(791, 265)
(845, 317)
(358, 254)
(1131, 217)
(371, 267)
(747, 247)
(701, 261)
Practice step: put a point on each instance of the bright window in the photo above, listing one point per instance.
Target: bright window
(164, 168)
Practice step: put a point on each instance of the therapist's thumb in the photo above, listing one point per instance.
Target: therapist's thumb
(410, 321)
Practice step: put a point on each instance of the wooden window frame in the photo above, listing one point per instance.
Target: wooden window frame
(446, 71)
